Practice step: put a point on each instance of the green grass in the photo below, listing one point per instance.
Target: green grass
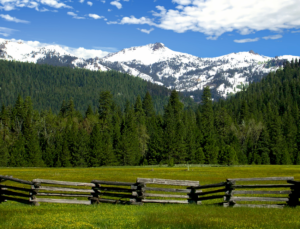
(16, 215)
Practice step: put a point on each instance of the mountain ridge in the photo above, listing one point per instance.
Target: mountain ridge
(225, 75)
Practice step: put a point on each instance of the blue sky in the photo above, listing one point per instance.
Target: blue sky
(204, 28)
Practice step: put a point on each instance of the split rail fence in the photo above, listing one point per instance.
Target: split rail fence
(275, 192)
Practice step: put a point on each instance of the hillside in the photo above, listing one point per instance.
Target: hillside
(48, 86)
(156, 63)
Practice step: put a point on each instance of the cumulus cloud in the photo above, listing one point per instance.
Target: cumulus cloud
(8, 5)
(90, 3)
(75, 15)
(296, 31)
(116, 4)
(95, 16)
(146, 31)
(134, 20)
(273, 37)
(216, 17)
(182, 2)
(13, 19)
(81, 1)
(6, 31)
(247, 40)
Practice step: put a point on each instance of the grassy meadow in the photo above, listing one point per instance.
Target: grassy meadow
(207, 215)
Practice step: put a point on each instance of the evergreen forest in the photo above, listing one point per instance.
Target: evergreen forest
(260, 125)
(48, 86)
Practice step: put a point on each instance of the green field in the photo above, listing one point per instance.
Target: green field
(16, 215)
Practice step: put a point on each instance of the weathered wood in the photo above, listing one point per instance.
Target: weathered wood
(211, 192)
(117, 195)
(3, 179)
(10, 193)
(166, 190)
(264, 186)
(262, 179)
(294, 182)
(166, 196)
(254, 205)
(272, 199)
(166, 201)
(113, 189)
(23, 201)
(211, 197)
(63, 194)
(167, 182)
(61, 201)
(63, 183)
(16, 180)
(211, 185)
(113, 183)
(101, 200)
(258, 192)
(15, 188)
(47, 188)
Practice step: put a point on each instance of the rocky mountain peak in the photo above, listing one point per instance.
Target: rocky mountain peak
(157, 46)
(252, 52)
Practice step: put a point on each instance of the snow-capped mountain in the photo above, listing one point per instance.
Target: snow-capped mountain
(158, 64)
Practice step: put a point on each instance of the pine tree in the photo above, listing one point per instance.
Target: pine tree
(129, 142)
(143, 136)
(105, 124)
(172, 124)
(4, 154)
(207, 119)
(32, 147)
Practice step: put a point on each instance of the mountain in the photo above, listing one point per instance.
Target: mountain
(53, 87)
(225, 75)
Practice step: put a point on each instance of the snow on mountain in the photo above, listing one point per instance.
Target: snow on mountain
(156, 63)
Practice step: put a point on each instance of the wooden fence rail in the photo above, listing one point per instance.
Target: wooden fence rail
(231, 193)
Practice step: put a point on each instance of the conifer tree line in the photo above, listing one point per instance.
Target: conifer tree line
(49, 85)
(258, 126)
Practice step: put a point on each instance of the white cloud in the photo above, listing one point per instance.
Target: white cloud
(297, 31)
(133, 20)
(109, 10)
(146, 31)
(95, 16)
(273, 37)
(216, 17)
(90, 3)
(117, 4)
(103, 1)
(75, 15)
(13, 19)
(8, 5)
(81, 1)
(6, 31)
(182, 2)
(246, 40)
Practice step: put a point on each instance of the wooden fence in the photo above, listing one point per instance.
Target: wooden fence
(151, 194)
(235, 192)
(288, 193)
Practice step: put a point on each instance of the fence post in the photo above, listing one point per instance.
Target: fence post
(34, 191)
(138, 194)
(193, 197)
(228, 194)
(95, 194)
(295, 195)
